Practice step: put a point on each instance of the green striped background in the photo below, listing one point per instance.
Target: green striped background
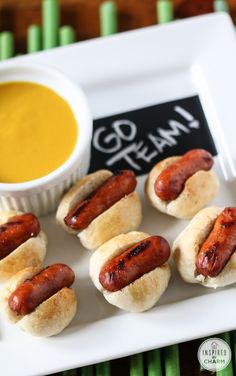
(51, 34)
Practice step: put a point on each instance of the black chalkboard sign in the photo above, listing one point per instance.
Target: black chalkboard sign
(140, 138)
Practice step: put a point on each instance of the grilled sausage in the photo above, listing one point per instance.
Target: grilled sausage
(170, 183)
(41, 287)
(16, 231)
(139, 259)
(111, 191)
(217, 249)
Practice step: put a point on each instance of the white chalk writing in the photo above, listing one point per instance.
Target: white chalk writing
(111, 141)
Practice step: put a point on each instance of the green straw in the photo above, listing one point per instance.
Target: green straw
(221, 6)
(51, 22)
(200, 341)
(228, 371)
(164, 11)
(34, 39)
(86, 371)
(136, 365)
(6, 45)
(103, 369)
(154, 363)
(108, 18)
(171, 354)
(234, 346)
(66, 35)
(71, 372)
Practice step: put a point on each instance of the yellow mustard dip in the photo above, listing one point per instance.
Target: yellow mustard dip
(38, 131)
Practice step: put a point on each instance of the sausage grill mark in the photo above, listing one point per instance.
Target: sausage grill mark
(134, 262)
(121, 264)
(107, 194)
(79, 208)
(227, 224)
(137, 250)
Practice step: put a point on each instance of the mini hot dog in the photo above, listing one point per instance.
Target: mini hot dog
(100, 206)
(22, 243)
(42, 302)
(133, 263)
(170, 183)
(107, 194)
(41, 287)
(181, 186)
(219, 246)
(131, 270)
(17, 230)
(205, 251)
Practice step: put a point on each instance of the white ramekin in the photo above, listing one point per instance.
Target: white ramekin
(41, 196)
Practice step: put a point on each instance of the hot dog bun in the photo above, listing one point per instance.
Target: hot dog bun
(198, 190)
(30, 253)
(187, 246)
(79, 191)
(125, 215)
(50, 317)
(145, 291)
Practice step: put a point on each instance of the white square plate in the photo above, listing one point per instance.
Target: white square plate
(120, 73)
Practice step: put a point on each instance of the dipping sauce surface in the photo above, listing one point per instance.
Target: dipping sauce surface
(38, 131)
